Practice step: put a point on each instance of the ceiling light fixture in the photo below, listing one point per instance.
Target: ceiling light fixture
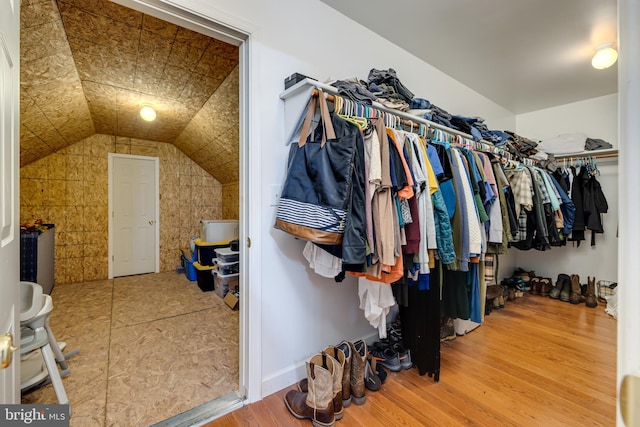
(148, 113)
(605, 56)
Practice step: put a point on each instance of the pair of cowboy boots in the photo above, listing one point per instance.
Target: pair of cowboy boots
(577, 297)
(335, 378)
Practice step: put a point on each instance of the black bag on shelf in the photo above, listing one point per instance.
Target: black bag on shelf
(317, 189)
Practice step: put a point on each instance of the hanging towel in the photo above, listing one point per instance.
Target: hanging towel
(376, 299)
(321, 261)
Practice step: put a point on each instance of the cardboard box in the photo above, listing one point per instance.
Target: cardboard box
(232, 301)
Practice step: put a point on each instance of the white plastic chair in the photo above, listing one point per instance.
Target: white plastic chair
(37, 338)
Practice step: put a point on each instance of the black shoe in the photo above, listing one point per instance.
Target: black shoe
(371, 379)
(394, 334)
(385, 355)
(447, 331)
(404, 355)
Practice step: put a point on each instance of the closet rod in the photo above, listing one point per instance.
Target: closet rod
(332, 98)
(331, 91)
(334, 91)
(596, 154)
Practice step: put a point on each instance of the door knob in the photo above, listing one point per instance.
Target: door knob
(630, 399)
(6, 350)
(151, 222)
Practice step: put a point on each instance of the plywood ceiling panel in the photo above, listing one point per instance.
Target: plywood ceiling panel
(212, 135)
(87, 66)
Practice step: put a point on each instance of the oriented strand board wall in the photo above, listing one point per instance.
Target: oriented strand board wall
(212, 137)
(231, 200)
(70, 190)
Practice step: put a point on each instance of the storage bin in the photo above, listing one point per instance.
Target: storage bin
(225, 282)
(227, 267)
(218, 230)
(37, 250)
(189, 269)
(206, 251)
(226, 255)
(204, 276)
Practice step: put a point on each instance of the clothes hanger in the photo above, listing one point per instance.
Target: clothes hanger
(595, 167)
(361, 122)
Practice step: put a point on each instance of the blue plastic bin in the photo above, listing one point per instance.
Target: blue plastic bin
(189, 269)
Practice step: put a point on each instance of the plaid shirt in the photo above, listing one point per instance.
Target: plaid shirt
(544, 195)
(521, 185)
(522, 227)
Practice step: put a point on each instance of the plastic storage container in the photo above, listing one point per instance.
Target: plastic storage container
(228, 267)
(226, 255)
(37, 257)
(225, 283)
(218, 230)
(206, 251)
(189, 269)
(204, 276)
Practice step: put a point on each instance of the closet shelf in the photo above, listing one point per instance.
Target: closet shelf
(608, 152)
(298, 95)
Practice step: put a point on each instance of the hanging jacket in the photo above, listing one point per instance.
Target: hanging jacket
(444, 235)
(577, 190)
(567, 207)
(595, 204)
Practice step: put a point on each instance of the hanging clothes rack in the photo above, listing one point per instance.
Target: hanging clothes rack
(595, 154)
(464, 139)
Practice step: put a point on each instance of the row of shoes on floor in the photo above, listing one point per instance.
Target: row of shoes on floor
(567, 288)
(339, 375)
(390, 352)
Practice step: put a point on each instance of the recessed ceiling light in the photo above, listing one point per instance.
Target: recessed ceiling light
(148, 113)
(605, 57)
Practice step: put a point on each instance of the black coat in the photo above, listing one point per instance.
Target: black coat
(590, 202)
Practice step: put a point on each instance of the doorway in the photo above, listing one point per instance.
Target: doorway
(173, 197)
(133, 204)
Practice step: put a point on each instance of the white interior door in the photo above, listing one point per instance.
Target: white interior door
(9, 196)
(134, 200)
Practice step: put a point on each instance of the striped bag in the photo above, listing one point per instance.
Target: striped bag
(317, 189)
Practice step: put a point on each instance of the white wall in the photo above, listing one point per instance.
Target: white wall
(301, 312)
(595, 117)
(598, 118)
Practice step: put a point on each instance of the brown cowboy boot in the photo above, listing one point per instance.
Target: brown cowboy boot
(317, 403)
(545, 286)
(576, 293)
(358, 362)
(346, 373)
(565, 293)
(591, 300)
(338, 356)
(555, 292)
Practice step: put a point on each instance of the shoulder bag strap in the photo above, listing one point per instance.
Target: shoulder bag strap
(327, 124)
(304, 132)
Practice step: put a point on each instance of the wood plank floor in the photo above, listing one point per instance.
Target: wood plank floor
(537, 362)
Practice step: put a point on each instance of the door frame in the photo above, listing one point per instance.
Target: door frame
(10, 193)
(156, 216)
(238, 31)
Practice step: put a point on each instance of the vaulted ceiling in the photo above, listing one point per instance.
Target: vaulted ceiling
(88, 66)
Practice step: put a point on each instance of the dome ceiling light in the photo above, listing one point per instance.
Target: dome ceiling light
(147, 113)
(605, 57)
